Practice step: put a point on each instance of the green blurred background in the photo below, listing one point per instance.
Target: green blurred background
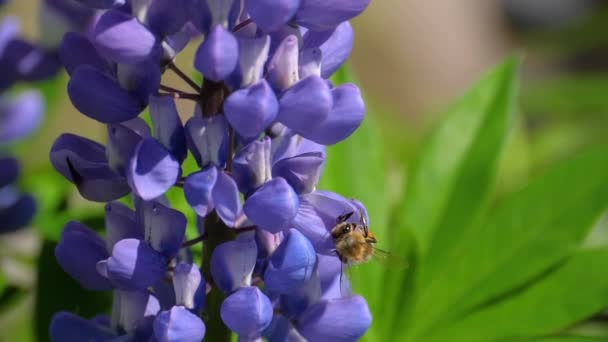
(413, 59)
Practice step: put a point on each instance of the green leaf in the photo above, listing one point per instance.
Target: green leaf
(50, 190)
(567, 295)
(532, 231)
(452, 179)
(356, 168)
(568, 94)
(569, 339)
(558, 339)
(455, 171)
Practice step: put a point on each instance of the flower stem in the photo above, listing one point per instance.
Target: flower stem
(213, 96)
(184, 77)
(194, 241)
(242, 25)
(230, 150)
(217, 233)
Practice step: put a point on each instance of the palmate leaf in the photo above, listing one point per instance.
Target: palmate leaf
(567, 295)
(449, 187)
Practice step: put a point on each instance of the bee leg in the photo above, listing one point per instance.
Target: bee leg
(344, 217)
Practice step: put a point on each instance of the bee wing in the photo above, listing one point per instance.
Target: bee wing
(345, 288)
(389, 259)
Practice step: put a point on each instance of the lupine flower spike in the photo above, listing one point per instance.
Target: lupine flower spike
(265, 112)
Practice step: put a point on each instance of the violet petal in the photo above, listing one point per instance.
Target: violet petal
(78, 252)
(273, 206)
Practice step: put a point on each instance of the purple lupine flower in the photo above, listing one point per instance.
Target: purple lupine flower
(263, 117)
(19, 116)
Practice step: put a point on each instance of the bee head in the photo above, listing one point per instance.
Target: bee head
(347, 229)
(341, 230)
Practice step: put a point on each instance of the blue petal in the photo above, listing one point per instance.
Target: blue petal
(322, 15)
(166, 17)
(281, 330)
(273, 206)
(30, 62)
(302, 172)
(247, 311)
(298, 300)
(9, 29)
(232, 264)
(206, 138)
(335, 45)
(361, 211)
(200, 16)
(19, 214)
(153, 170)
(308, 146)
(139, 126)
(197, 190)
(291, 265)
(121, 224)
(306, 105)
(122, 142)
(343, 319)
(165, 228)
(83, 162)
(251, 110)
(267, 243)
(190, 286)
(346, 116)
(9, 171)
(226, 198)
(141, 79)
(253, 53)
(333, 280)
(283, 66)
(177, 42)
(100, 97)
(218, 55)
(168, 128)
(67, 327)
(310, 62)
(137, 310)
(78, 252)
(178, 325)
(76, 50)
(134, 265)
(102, 319)
(21, 116)
(285, 142)
(270, 15)
(224, 12)
(102, 4)
(121, 38)
(165, 293)
(251, 165)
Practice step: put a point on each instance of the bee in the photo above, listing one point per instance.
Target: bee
(356, 244)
